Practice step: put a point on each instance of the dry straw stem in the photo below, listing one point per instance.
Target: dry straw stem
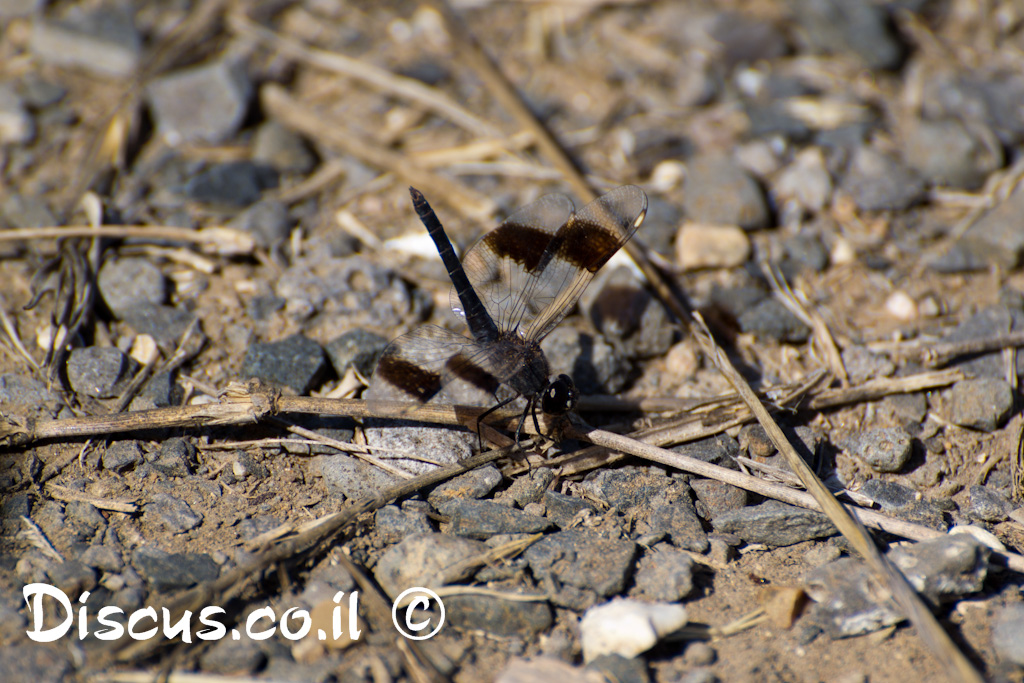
(937, 640)
(282, 107)
(213, 240)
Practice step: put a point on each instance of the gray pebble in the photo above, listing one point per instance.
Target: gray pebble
(716, 497)
(620, 669)
(16, 125)
(166, 572)
(34, 663)
(72, 577)
(562, 509)
(821, 554)
(418, 559)
(699, 653)
(997, 237)
(104, 42)
(85, 517)
(947, 153)
(166, 324)
(959, 258)
(176, 457)
(296, 363)
(231, 657)
(530, 487)
(358, 348)
(720, 192)
(675, 516)
(171, 513)
(835, 26)
(888, 494)
(775, 524)
(245, 465)
(627, 488)
(282, 148)
(1007, 625)
(27, 396)
(485, 518)
(989, 505)
(230, 185)
(393, 523)
(720, 450)
(595, 366)
(476, 483)
(909, 409)
(498, 617)
(804, 252)
(983, 403)
(944, 567)
(160, 391)
(104, 558)
(351, 477)
(583, 560)
(99, 371)
(746, 39)
(22, 211)
(13, 506)
(131, 282)
(40, 93)
(884, 450)
(988, 322)
(268, 221)
(770, 319)
(206, 103)
(664, 575)
(862, 365)
(252, 527)
(877, 182)
(754, 440)
(849, 601)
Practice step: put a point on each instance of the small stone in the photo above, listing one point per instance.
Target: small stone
(476, 483)
(595, 366)
(676, 517)
(166, 572)
(719, 192)
(1007, 625)
(879, 183)
(171, 513)
(268, 221)
(160, 391)
(131, 282)
(498, 617)
(295, 363)
(358, 348)
(176, 457)
(563, 509)
(701, 245)
(806, 181)
(717, 497)
(33, 663)
(884, 450)
(862, 365)
(983, 403)
(104, 42)
(72, 577)
(699, 653)
(821, 554)
(997, 237)
(850, 600)
(485, 518)
(988, 505)
(104, 558)
(720, 450)
(85, 517)
(583, 560)
(775, 524)
(99, 371)
(620, 669)
(21, 211)
(393, 523)
(944, 567)
(754, 440)
(664, 575)
(627, 627)
(947, 153)
(770, 319)
(231, 657)
(745, 39)
(254, 527)
(624, 311)
(802, 252)
(531, 487)
(419, 559)
(16, 124)
(282, 148)
(835, 26)
(23, 395)
(233, 184)
(901, 306)
(206, 103)
(166, 324)
(988, 322)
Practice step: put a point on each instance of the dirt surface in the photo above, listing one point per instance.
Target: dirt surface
(869, 155)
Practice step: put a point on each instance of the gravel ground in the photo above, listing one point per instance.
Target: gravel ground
(832, 184)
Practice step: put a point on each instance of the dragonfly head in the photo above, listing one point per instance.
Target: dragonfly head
(560, 396)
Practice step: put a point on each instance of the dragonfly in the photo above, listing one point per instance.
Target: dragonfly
(512, 288)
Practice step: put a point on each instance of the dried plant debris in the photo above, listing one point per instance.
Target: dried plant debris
(206, 246)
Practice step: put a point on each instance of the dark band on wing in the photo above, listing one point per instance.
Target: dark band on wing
(408, 377)
(521, 243)
(586, 245)
(461, 367)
